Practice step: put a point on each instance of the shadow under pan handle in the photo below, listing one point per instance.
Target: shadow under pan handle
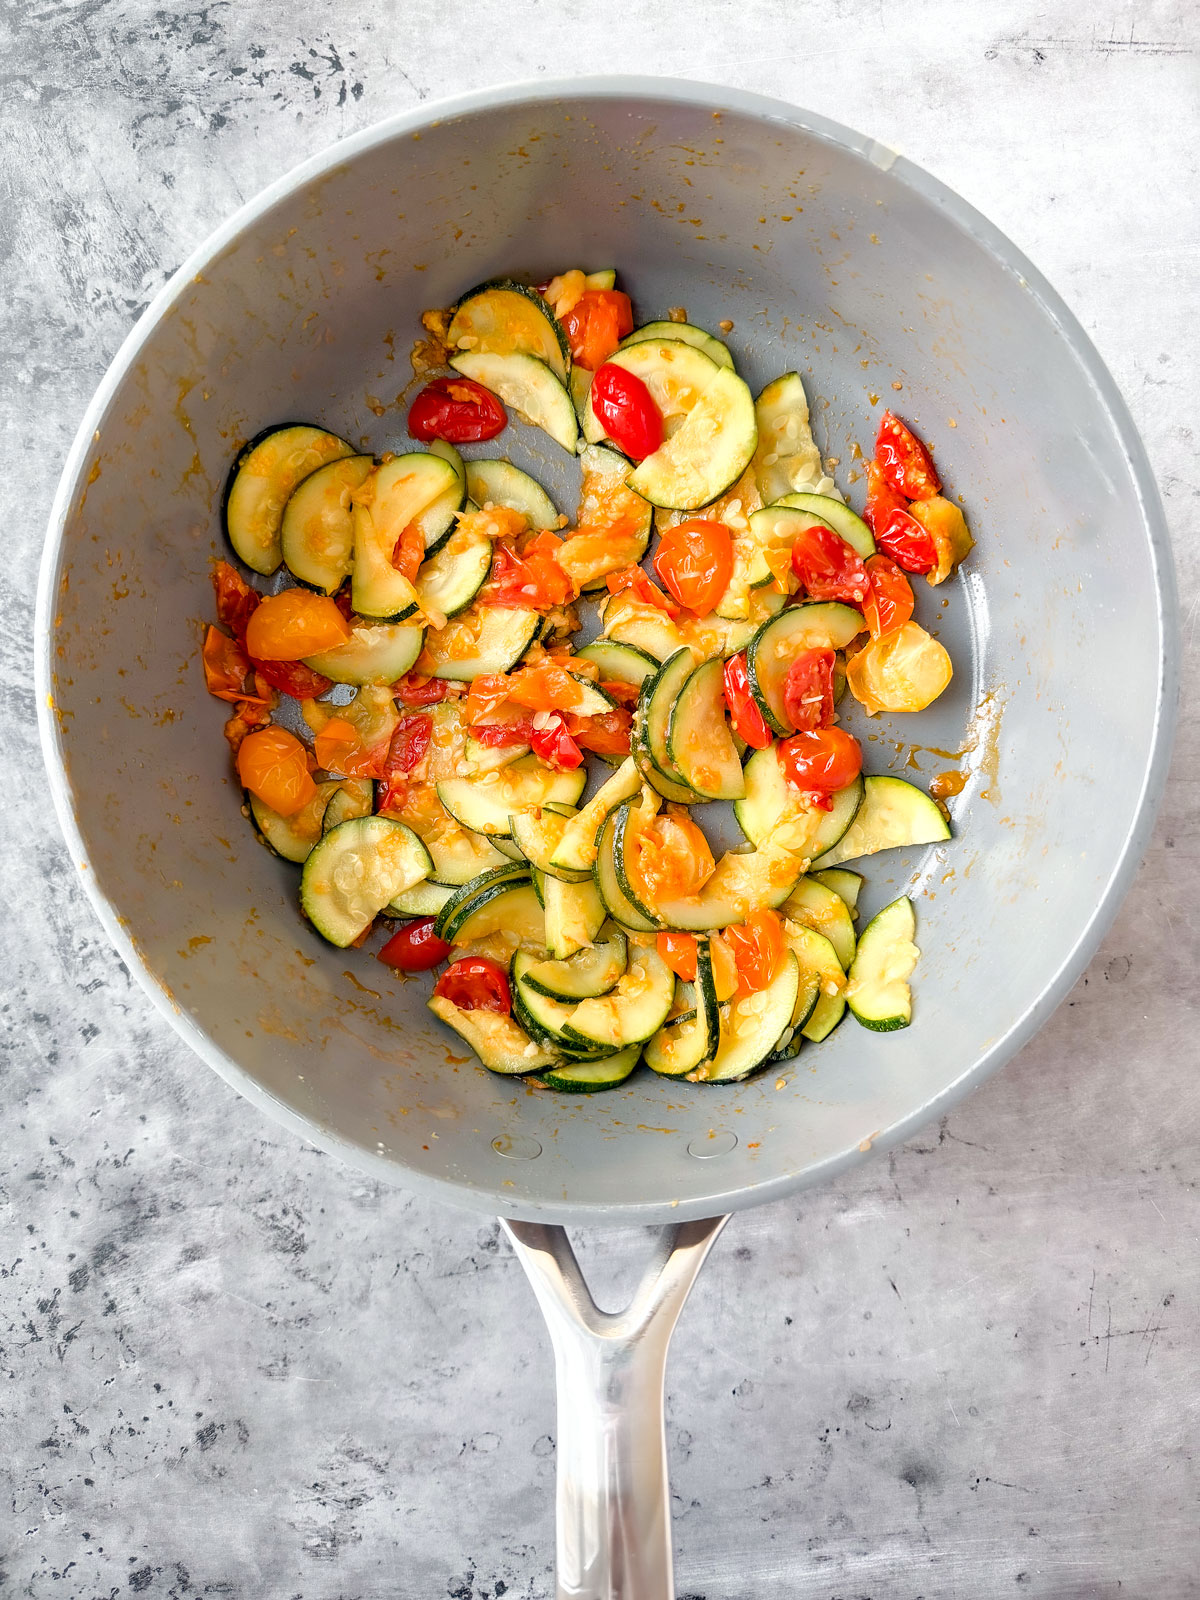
(613, 1507)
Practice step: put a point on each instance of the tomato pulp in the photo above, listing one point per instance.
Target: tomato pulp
(475, 983)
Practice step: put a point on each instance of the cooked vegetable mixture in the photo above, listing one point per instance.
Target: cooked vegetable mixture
(432, 640)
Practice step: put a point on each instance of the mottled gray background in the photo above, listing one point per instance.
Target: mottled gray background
(230, 1366)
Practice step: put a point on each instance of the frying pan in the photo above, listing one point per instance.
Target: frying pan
(828, 254)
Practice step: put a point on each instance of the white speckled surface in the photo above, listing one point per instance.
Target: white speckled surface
(233, 1368)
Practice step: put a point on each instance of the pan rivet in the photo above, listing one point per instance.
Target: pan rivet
(517, 1147)
(716, 1143)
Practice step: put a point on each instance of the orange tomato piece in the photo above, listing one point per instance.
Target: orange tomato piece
(643, 589)
(678, 950)
(340, 749)
(409, 552)
(273, 765)
(695, 561)
(671, 857)
(227, 672)
(596, 324)
(288, 626)
(758, 946)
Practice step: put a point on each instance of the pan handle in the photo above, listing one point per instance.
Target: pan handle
(614, 1523)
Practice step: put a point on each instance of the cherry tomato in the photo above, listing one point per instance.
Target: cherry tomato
(499, 735)
(670, 856)
(607, 733)
(821, 760)
(828, 567)
(882, 499)
(906, 463)
(227, 668)
(531, 577)
(747, 719)
(344, 601)
(596, 324)
(236, 600)
(678, 950)
(409, 551)
(626, 411)
(475, 983)
(414, 690)
(625, 694)
(273, 765)
(415, 948)
(291, 677)
(695, 560)
(808, 690)
(555, 746)
(758, 946)
(286, 626)
(548, 687)
(909, 544)
(410, 740)
(457, 410)
(889, 602)
(339, 749)
(643, 589)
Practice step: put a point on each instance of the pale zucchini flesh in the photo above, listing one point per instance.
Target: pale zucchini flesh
(527, 386)
(492, 481)
(878, 991)
(485, 804)
(633, 1011)
(506, 318)
(480, 639)
(894, 814)
(356, 870)
(316, 533)
(589, 1077)
(707, 453)
(375, 653)
(576, 849)
(500, 1043)
(261, 482)
(575, 913)
(699, 742)
(751, 1026)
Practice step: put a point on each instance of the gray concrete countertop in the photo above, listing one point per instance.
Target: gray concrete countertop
(232, 1367)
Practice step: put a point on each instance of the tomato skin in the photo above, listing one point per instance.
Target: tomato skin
(499, 735)
(821, 760)
(286, 626)
(339, 749)
(236, 600)
(414, 690)
(415, 947)
(555, 746)
(626, 411)
(695, 561)
(882, 499)
(291, 677)
(409, 552)
(458, 410)
(904, 460)
(758, 946)
(678, 950)
(596, 324)
(904, 539)
(475, 983)
(227, 670)
(828, 567)
(808, 690)
(889, 602)
(671, 856)
(530, 577)
(747, 719)
(410, 740)
(643, 589)
(273, 765)
(607, 733)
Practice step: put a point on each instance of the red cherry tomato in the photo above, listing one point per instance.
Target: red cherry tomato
(882, 499)
(821, 760)
(532, 577)
(758, 946)
(414, 690)
(626, 411)
(695, 559)
(747, 719)
(828, 567)
(457, 410)
(291, 677)
(555, 746)
(909, 544)
(808, 690)
(596, 324)
(415, 948)
(498, 735)
(889, 602)
(236, 600)
(475, 984)
(907, 465)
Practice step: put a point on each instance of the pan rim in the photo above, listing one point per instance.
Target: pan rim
(481, 1195)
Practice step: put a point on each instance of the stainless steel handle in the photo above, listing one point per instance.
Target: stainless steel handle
(614, 1522)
